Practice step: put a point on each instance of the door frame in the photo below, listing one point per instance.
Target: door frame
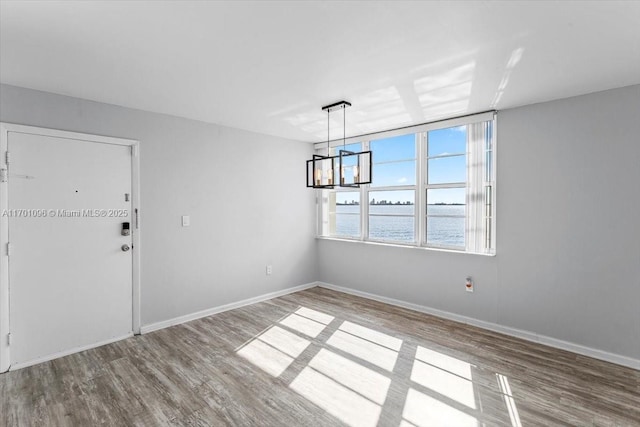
(5, 129)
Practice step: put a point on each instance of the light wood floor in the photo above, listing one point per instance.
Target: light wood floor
(322, 358)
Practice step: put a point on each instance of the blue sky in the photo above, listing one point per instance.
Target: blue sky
(395, 163)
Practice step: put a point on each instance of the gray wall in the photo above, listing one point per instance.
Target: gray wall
(240, 221)
(568, 224)
(568, 248)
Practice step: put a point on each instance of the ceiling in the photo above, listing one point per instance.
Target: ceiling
(269, 67)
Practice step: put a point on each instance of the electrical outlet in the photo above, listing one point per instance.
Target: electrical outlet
(269, 270)
(469, 284)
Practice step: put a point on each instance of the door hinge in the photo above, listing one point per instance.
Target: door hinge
(3, 175)
(7, 157)
(8, 249)
(137, 218)
(9, 338)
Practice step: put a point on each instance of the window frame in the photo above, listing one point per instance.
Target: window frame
(413, 187)
(425, 186)
(348, 190)
(421, 186)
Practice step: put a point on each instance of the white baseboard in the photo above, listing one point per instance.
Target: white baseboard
(16, 366)
(214, 310)
(519, 333)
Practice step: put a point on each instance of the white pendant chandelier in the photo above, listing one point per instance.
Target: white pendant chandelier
(351, 169)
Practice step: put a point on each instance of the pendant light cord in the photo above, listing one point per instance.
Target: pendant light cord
(344, 127)
(328, 135)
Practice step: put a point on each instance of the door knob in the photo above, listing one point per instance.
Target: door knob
(125, 248)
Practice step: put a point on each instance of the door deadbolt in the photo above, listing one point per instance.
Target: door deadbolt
(125, 247)
(125, 229)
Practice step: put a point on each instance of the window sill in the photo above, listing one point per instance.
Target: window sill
(400, 245)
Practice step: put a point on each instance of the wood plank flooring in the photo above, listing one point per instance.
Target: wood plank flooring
(321, 358)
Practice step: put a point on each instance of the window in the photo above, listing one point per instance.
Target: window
(341, 207)
(391, 196)
(446, 217)
(446, 164)
(433, 186)
(392, 215)
(345, 218)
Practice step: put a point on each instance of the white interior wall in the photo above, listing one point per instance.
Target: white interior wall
(244, 191)
(568, 244)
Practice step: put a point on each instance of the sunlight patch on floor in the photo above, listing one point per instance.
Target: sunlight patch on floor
(318, 316)
(274, 350)
(343, 403)
(424, 411)
(364, 349)
(303, 325)
(372, 335)
(370, 384)
(505, 388)
(285, 341)
(444, 382)
(347, 378)
(442, 361)
(444, 374)
(265, 357)
(368, 344)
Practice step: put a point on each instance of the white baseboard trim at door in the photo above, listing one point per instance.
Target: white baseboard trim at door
(16, 366)
(518, 333)
(215, 310)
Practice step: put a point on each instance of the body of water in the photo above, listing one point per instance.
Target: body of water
(395, 223)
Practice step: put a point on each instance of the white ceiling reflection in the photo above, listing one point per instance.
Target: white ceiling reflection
(268, 66)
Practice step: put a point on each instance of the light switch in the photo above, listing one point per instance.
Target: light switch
(186, 221)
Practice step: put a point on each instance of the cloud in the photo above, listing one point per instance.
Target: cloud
(402, 180)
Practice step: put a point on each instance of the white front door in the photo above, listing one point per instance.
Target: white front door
(70, 277)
